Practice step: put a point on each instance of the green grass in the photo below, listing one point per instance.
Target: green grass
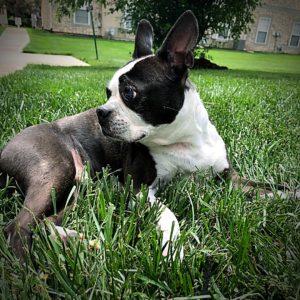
(111, 53)
(2, 29)
(234, 247)
(115, 53)
(267, 62)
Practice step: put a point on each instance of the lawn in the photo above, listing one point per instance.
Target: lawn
(118, 52)
(267, 62)
(1, 29)
(112, 53)
(234, 247)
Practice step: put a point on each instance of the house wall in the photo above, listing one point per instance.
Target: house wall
(66, 24)
(106, 24)
(112, 26)
(219, 42)
(46, 15)
(283, 14)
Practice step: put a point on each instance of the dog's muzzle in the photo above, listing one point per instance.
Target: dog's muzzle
(115, 127)
(103, 115)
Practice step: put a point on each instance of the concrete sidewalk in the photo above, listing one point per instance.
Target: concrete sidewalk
(12, 42)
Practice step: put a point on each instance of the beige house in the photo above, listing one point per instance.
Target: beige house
(106, 24)
(276, 28)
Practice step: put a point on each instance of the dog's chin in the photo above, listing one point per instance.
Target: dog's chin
(112, 136)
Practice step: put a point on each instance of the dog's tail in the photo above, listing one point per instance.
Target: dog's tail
(252, 188)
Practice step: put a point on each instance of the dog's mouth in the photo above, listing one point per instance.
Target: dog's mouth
(106, 132)
(140, 138)
(111, 135)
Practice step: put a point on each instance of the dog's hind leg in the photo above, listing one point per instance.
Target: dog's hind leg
(48, 186)
(38, 203)
(58, 217)
(252, 188)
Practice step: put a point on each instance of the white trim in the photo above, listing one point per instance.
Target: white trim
(89, 17)
(295, 34)
(260, 30)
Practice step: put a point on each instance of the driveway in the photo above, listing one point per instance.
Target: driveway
(12, 42)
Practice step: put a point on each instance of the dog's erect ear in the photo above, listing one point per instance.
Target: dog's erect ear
(180, 41)
(143, 39)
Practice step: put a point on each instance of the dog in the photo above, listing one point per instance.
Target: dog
(152, 126)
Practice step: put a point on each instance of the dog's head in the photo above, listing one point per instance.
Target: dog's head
(149, 90)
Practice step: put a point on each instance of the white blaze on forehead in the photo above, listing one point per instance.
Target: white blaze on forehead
(131, 124)
(114, 83)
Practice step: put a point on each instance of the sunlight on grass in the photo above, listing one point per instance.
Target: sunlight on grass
(111, 53)
(116, 53)
(267, 62)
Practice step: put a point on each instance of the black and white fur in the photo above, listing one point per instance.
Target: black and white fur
(152, 126)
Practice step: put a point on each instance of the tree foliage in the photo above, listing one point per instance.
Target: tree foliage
(20, 8)
(213, 15)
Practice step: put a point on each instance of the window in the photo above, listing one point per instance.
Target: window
(127, 24)
(295, 36)
(127, 21)
(82, 16)
(262, 30)
(224, 33)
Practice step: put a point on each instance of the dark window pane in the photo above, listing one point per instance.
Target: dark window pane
(294, 41)
(261, 37)
(82, 17)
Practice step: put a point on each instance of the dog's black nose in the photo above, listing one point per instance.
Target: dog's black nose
(103, 114)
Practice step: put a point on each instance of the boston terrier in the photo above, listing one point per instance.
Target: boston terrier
(152, 126)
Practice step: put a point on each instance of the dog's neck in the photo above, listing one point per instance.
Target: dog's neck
(187, 129)
(190, 143)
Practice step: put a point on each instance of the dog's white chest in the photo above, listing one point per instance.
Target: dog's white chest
(188, 158)
(175, 158)
(189, 144)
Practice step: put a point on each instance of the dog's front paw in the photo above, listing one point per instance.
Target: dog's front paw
(169, 226)
(64, 233)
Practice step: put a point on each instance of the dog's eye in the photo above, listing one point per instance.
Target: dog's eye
(129, 93)
(108, 93)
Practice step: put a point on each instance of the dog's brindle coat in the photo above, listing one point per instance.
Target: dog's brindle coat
(153, 126)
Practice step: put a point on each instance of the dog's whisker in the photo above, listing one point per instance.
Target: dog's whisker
(170, 108)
